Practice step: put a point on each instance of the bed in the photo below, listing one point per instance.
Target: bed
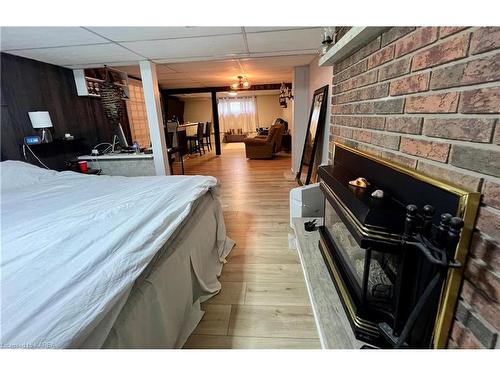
(106, 262)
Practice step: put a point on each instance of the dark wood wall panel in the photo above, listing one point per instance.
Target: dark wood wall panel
(29, 85)
(173, 106)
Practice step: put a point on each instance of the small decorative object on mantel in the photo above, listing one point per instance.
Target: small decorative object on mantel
(328, 39)
(359, 182)
(378, 194)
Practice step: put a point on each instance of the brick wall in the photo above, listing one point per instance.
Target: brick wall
(428, 98)
(136, 110)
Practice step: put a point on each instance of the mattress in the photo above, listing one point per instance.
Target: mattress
(73, 247)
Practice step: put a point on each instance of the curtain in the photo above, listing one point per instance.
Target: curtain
(238, 113)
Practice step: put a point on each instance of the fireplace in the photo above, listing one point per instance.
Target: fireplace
(397, 260)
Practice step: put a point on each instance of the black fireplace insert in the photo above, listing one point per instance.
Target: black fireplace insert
(396, 260)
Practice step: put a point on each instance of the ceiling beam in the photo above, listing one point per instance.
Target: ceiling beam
(197, 90)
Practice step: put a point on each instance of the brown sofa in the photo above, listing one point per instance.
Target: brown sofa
(234, 135)
(264, 147)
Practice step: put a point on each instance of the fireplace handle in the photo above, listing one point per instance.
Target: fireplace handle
(439, 276)
(425, 250)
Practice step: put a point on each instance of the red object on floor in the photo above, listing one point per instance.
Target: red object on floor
(83, 166)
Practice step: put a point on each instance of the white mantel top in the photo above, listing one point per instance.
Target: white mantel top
(355, 38)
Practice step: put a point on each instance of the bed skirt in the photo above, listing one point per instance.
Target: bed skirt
(163, 308)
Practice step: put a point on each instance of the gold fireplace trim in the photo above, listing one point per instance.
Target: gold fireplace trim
(351, 308)
(467, 210)
(363, 229)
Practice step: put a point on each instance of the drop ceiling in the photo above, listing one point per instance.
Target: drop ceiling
(187, 56)
(217, 73)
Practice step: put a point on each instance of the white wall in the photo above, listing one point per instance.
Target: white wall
(319, 77)
(197, 109)
(287, 114)
(268, 109)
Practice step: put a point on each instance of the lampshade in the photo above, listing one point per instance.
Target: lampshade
(40, 119)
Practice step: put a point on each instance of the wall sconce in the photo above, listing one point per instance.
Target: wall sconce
(328, 39)
(285, 94)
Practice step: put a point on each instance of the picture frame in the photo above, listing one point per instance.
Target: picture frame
(314, 132)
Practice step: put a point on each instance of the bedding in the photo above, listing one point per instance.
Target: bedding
(74, 245)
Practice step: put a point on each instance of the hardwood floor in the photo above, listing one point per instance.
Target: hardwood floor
(263, 302)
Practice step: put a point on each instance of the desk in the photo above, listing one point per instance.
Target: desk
(129, 165)
(56, 153)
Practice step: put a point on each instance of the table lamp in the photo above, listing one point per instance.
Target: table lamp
(41, 120)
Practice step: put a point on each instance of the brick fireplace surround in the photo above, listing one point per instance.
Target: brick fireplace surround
(428, 98)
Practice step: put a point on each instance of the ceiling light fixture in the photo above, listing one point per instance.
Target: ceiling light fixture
(242, 84)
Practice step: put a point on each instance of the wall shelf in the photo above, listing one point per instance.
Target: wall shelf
(356, 37)
(88, 80)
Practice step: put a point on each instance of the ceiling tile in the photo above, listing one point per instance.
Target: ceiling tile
(276, 62)
(223, 45)
(162, 68)
(98, 54)
(122, 34)
(205, 66)
(258, 29)
(39, 37)
(133, 70)
(116, 65)
(180, 85)
(291, 40)
(175, 60)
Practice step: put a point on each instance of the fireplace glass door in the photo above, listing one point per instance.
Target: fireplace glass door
(372, 274)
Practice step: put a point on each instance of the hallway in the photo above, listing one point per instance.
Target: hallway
(263, 302)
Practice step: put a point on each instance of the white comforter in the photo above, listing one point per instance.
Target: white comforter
(73, 245)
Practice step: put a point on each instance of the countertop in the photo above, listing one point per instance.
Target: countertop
(116, 156)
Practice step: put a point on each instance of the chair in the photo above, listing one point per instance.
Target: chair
(265, 147)
(196, 141)
(173, 148)
(277, 121)
(207, 135)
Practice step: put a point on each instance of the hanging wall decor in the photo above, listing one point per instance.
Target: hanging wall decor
(111, 100)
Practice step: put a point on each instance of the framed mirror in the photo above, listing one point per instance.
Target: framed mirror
(311, 154)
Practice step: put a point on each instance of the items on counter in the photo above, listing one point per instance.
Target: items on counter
(378, 194)
(360, 182)
(83, 166)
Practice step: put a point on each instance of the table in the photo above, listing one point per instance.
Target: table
(188, 124)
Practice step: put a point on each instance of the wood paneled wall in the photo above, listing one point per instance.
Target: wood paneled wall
(29, 85)
(173, 106)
